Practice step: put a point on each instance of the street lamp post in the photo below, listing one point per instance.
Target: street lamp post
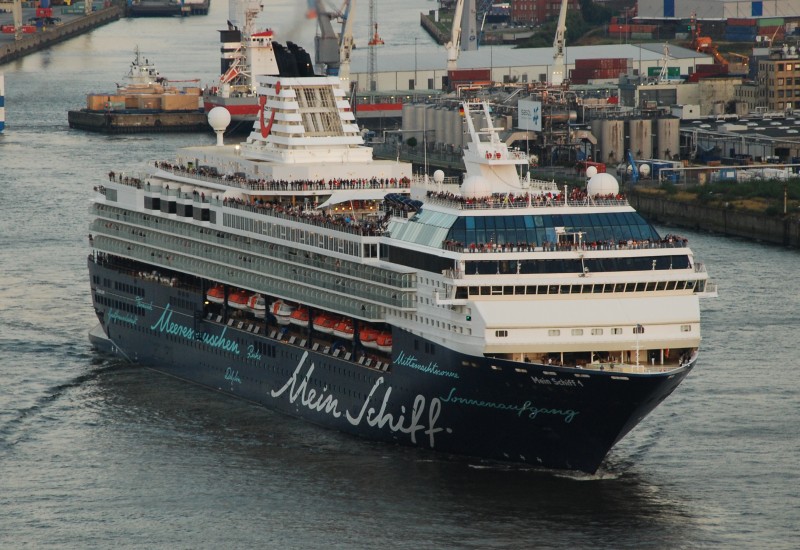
(415, 62)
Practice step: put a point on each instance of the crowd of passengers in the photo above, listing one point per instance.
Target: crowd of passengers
(364, 227)
(504, 199)
(284, 185)
(669, 241)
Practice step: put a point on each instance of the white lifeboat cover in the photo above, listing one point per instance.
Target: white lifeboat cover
(475, 187)
(602, 184)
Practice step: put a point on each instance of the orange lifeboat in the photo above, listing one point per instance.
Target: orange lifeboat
(343, 329)
(324, 323)
(299, 317)
(369, 337)
(281, 311)
(238, 299)
(216, 294)
(384, 342)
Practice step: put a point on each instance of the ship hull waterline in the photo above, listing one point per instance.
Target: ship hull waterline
(542, 415)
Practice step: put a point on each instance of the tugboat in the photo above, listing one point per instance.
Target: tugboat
(146, 103)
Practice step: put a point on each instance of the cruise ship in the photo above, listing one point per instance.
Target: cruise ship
(492, 316)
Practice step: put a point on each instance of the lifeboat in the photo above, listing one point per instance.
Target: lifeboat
(299, 317)
(343, 329)
(384, 342)
(238, 299)
(282, 311)
(257, 305)
(324, 323)
(216, 294)
(369, 337)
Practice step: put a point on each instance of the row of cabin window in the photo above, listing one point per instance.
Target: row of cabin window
(463, 292)
(595, 331)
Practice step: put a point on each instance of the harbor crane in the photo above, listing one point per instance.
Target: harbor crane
(15, 7)
(333, 51)
(558, 69)
(374, 41)
(453, 45)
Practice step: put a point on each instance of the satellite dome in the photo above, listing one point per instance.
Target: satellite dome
(644, 170)
(475, 187)
(591, 171)
(602, 184)
(438, 176)
(219, 118)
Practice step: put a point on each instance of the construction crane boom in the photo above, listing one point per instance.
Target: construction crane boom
(559, 44)
(453, 46)
(333, 50)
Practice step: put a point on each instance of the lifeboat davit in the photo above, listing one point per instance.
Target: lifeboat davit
(344, 329)
(369, 337)
(299, 317)
(238, 299)
(384, 342)
(257, 305)
(324, 323)
(282, 311)
(216, 294)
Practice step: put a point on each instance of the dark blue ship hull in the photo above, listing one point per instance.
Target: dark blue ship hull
(427, 395)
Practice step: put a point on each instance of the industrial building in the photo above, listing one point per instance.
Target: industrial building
(507, 65)
(717, 9)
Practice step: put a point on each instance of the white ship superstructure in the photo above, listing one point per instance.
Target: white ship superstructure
(533, 284)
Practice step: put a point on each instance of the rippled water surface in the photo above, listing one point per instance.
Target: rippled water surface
(98, 453)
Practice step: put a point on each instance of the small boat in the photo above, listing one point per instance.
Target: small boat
(343, 329)
(299, 317)
(324, 323)
(281, 311)
(257, 305)
(216, 294)
(238, 299)
(384, 342)
(368, 336)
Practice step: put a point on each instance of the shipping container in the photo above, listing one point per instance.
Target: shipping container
(732, 22)
(469, 75)
(771, 22)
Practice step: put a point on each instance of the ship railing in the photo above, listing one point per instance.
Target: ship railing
(334, 223)
(243, 182)
(628, 368)
(521, 201)
(486, 248)
(700, 267)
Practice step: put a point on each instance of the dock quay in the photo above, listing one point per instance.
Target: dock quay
(71, 25)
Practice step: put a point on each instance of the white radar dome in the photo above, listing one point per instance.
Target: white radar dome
(644, 170)
(438, 176)
(591, 171)
(475, 187)
(219, 118)
(602, 184)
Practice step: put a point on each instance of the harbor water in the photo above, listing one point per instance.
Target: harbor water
(98, 453)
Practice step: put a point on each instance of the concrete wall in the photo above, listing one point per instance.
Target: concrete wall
(38, 41)
(729, 222)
